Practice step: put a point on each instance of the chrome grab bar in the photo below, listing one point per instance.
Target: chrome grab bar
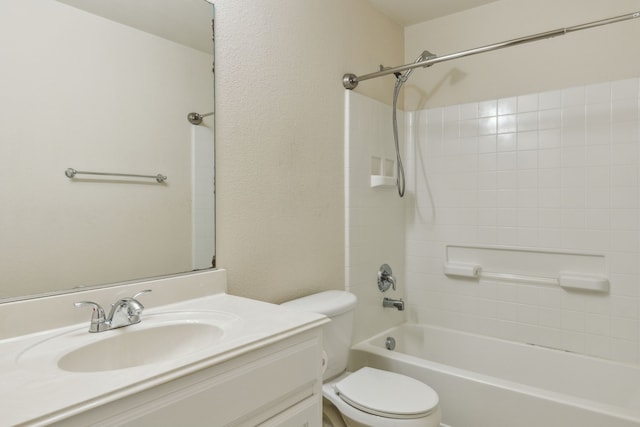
(71, 173)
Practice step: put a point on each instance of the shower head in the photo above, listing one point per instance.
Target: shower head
(402, 77)
(426, 55)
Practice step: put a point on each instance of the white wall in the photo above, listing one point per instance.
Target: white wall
(279, 137)
(535, 147)
(75, 93)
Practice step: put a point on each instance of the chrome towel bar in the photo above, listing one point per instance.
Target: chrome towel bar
(71, 173)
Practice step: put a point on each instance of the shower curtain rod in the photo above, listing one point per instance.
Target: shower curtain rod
(350, 81)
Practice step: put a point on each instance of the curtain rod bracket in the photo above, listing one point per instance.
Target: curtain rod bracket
(350, 81)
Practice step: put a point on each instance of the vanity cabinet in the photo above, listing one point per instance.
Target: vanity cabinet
(275, 384)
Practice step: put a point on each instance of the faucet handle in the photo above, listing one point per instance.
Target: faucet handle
(132, 306)
(385, 278)
(146, 291)
(98, 319)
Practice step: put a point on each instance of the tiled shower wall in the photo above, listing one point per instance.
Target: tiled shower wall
(554, 171)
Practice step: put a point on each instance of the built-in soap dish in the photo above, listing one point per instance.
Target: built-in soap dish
(382, 172)
(382, 181)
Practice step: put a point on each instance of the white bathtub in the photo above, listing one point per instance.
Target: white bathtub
(488, 382)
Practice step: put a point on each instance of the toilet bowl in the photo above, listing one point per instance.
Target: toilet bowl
(367, 397)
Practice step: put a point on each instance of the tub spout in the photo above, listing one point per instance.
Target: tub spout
(393, 303)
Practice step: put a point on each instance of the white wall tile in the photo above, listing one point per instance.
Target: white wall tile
(550, 198)
(597, 155)
(573, 96)
(550, 317)
(574, 117)
(506, 142)
(550, 119)
(550, 138)
(507, 124)
(487, 144)
(506, 161)
(550, 100)
(598, 133)
(528, 179)
(573, 320)
(506, 180)
(488, 108)
(527, 103)
(507, 106)
(598, 113)
(527, 140)
(469, 111)
(624, 351)
(625, 176)
(625, 132)
(487, 126)
(625, 89)
(527, 160)
(598, 93)
(625, 110)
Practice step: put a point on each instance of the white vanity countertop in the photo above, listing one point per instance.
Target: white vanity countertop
(33, 390)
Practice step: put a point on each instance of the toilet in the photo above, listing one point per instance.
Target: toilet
(367, 397)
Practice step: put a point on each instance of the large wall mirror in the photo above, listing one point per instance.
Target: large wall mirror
(104, 86)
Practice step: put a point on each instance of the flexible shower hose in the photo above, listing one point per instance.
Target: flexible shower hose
(400, 181)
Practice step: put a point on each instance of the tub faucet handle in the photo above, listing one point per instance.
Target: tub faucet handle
(385, 278)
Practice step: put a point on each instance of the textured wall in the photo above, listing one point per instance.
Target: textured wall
(279, 136)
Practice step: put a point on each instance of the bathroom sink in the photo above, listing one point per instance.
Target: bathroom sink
(141, 347)
(160, 337)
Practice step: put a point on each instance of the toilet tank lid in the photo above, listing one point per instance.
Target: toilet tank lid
(329, 303)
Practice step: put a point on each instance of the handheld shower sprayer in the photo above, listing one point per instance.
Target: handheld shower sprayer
(425, 55)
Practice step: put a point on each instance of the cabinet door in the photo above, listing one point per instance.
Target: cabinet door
(305, 414)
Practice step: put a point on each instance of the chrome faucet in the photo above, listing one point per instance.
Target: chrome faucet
(124, 312)
(393, 303)
(385, 278)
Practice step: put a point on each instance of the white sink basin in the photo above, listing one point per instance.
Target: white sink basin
(141, 347)
(158, 338)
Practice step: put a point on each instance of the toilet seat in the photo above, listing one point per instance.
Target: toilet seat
(387, 394)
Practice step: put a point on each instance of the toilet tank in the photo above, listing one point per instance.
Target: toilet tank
(336, 335)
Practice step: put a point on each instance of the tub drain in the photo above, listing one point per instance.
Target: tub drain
(390, 343)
